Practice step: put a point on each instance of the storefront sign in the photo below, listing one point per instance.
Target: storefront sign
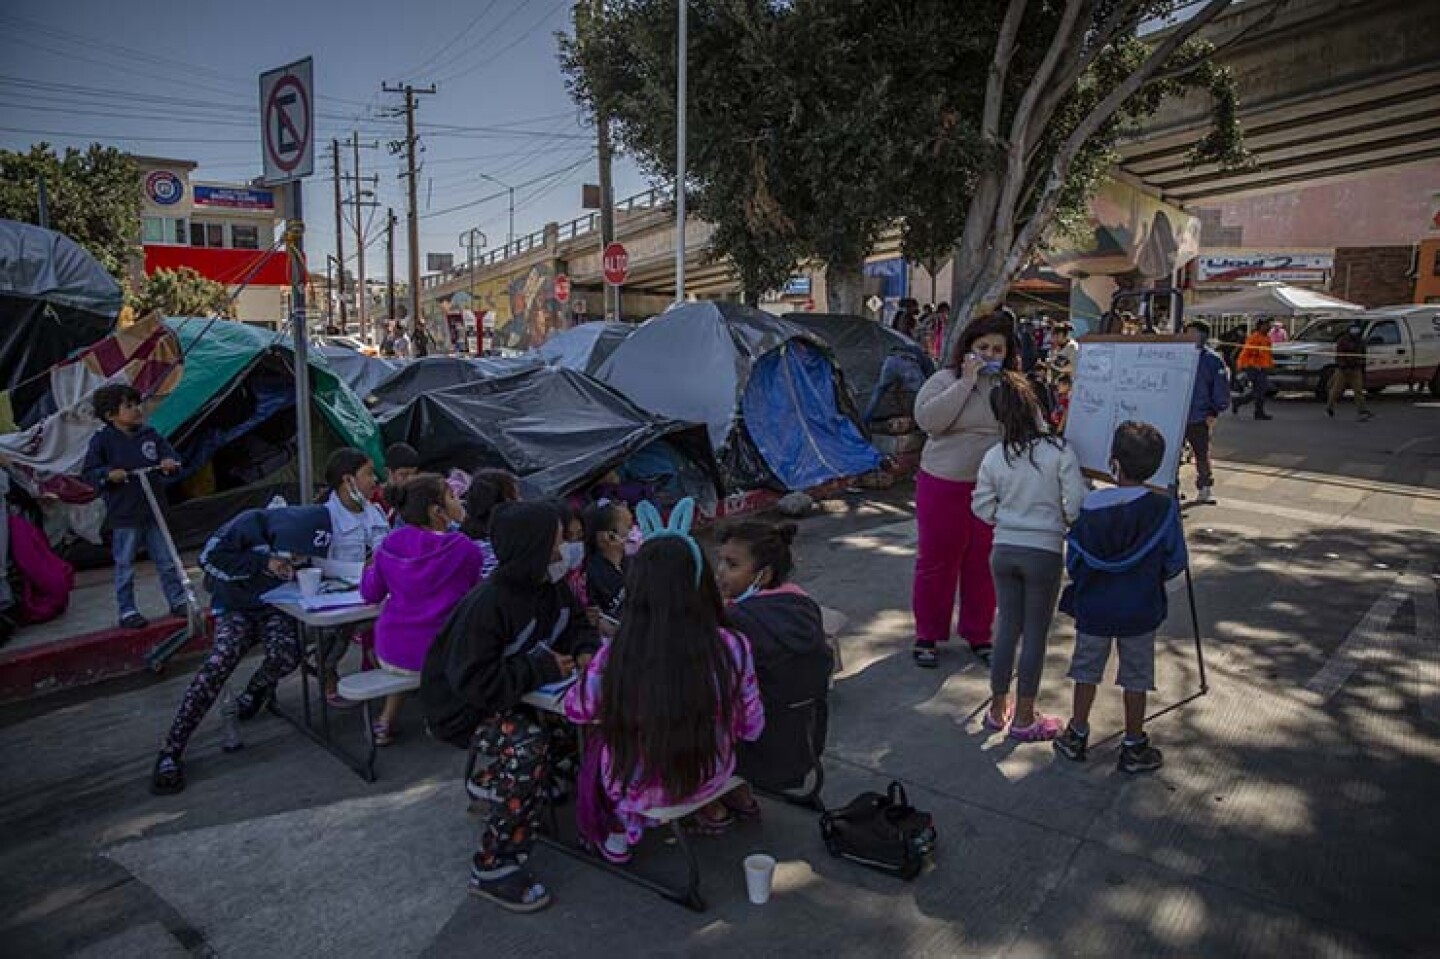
(796, 286)
(164, 187)
(234, 198)
(1258, 267)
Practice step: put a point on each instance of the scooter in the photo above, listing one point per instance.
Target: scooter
(195, 621)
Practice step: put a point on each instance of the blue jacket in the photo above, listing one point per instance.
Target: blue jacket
(113, 448)
(1125, 545)
(236, 559)
(1211, 395)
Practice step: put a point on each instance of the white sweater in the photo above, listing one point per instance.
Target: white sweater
(1030, 503)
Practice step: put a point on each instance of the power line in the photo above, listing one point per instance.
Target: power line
(496, 196)
(434, 57)
(492, 60)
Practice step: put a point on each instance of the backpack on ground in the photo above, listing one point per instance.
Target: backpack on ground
(882, 831)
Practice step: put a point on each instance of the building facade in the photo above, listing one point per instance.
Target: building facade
(223, 231)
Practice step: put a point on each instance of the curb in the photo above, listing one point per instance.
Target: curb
(82, 660)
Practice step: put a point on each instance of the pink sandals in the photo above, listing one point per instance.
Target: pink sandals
(1043, 729)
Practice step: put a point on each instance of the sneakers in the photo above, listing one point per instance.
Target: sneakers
(1071, 744)
(1204, 495)
(134, 620)
(249, 703)
(168, 777)
(513, 889)
(1140, 757)
(1043, 728)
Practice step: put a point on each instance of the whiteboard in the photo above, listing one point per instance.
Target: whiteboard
(1119, 378)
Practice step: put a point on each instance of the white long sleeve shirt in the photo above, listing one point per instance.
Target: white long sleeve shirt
(1030, 503)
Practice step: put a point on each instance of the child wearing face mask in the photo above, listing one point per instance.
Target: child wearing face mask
(424, 568)
(572, 556)
(607, 532)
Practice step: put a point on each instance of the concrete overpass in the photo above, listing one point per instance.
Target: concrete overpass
(1329, 89)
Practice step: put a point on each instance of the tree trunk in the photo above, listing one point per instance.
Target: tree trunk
(845, 287)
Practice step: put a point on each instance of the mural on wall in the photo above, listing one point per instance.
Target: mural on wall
(523, 307)
(1134, 240)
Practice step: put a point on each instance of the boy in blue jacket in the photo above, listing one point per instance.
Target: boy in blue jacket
(125, 444)
(1125, 545)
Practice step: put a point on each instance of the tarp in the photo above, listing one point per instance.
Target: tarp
(557, 429)
(360, 372)
(697, 363)
(585, 347)
(432, 373)
(1274, 299)
(55, 298)
(861, 345)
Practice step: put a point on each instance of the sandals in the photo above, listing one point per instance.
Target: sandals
(383, 732)
(1043, 729)
(701, 824)
(516, 891)
(168, 777)
(744, 811)
(990, 724)
(924, 654)
(615, 849)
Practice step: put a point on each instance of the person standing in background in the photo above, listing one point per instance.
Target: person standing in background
(1349, 371)
(1255, 363)
(1208, 399)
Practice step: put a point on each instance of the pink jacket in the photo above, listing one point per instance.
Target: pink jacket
(582, 705)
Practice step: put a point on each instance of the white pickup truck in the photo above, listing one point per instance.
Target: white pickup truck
(1402, 347)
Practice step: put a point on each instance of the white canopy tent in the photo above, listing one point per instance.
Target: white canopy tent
(1274, 299)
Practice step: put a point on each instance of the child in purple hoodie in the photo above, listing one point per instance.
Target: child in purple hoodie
(425, 568)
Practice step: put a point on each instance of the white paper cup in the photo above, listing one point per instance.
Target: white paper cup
(759, 875)
(309, 580)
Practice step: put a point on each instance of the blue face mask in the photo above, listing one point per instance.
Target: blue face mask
(992, 366)
(453, 526)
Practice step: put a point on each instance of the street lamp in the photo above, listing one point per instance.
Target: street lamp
(510, 234)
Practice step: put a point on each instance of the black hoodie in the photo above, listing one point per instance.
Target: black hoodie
(491, 651)
(793, 663)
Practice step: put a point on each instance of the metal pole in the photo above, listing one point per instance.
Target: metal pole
(300, 328)
(329, 294)
(339, 229)
(682, 69)
(363, 293)
(413, 226)
(390, 261)
(510, 233)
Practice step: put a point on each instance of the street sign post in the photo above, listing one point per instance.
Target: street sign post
(562, 288)
(287, 146)
(616, 261)
(874, 303)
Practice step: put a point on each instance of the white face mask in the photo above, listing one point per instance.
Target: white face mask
(634, 541)
(573, 554)
(556, 571)
(751, 590)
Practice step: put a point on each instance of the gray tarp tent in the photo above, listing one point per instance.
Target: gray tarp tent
(586, 347)
(1274, 299)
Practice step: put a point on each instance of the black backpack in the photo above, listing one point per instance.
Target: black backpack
(883, 832)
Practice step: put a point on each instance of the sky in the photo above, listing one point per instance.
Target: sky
(181, 80)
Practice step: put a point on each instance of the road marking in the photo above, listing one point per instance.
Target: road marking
(1310, 516)
(1338, 494)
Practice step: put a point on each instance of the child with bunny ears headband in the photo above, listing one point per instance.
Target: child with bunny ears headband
(671, 694)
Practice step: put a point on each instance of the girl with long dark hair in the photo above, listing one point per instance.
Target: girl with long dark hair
(1030, 489)
(671, 695)
(953, 408)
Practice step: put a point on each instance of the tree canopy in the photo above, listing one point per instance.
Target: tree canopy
(181, 292)
(93, 198)
(815, 125)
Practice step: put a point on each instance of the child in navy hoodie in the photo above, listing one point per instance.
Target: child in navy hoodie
(122, 446)
(1125, 545)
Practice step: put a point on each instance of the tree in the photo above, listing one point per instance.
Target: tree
(181, 292)
(94, 198)
(816, 124)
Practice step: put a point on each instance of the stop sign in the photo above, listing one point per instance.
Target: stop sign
(562, 288)
(616, 260)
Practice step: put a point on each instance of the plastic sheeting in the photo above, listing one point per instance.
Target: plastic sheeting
(586, 347)
(431, 373)
(360, 372)
(556, 429)
(794, 418)
(860, 345)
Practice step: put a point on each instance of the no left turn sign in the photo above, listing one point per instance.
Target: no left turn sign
(287, 121)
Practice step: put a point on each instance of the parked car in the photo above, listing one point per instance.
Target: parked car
(1402, 348)
(346, 343)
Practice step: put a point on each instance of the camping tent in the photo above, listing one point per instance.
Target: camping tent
(585, 347)
(768, 392)
(360, 372)
(1274, 299)
(55, 299)
(431, 373)
(861, 345)
(232, 419)
(558, 430)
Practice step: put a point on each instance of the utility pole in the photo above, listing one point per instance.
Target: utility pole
(390, 261)
(363, 295)
(414, 217)
(682, 63)
(339, 229)
(607, 191)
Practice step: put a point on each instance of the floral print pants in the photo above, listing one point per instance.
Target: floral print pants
(516, 755)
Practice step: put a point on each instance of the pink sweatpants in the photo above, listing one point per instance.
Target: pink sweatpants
(954, 552)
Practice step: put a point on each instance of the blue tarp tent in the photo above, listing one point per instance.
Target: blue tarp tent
(769, 393)
(586, 347)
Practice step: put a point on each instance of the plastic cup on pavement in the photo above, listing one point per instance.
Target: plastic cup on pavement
(759, 876)
(309, 580)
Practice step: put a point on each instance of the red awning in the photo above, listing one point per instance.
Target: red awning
(230, 267)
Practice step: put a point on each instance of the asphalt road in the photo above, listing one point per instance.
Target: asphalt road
(1294, 815)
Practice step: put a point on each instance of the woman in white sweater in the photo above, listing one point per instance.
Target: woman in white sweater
(1030, 489)
(953, 554)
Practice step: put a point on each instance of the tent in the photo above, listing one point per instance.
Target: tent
(360, 372)
(861, 345)
(558, 430)
(232, 419)
(55, 299)
(1274, 299)
(431, 373)
(584, 347)
(767, 390)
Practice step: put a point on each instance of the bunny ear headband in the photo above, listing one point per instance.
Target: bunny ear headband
(681, 519)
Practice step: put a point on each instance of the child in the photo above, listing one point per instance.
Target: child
(671, 694)
(252, 554)
(517, 631)
(122, 445)
(1030, 489)
(607, 528)
(403, 463)
(488, 489)
(1125, 545)
(793, 661)
(572, 551)
(357, 529)
(425, 569)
